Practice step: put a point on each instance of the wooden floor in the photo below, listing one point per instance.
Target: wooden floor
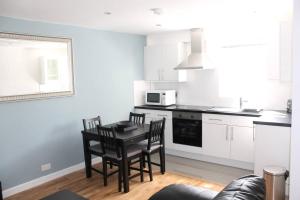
(93, 188)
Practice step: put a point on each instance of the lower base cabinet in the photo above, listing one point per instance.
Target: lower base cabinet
(156, 115)
(215, 140)
(272, 147)
(228, 137)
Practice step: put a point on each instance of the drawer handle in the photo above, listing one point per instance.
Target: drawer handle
(215, 120)
(162, 115)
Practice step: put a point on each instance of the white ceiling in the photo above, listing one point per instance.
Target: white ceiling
(134, 16)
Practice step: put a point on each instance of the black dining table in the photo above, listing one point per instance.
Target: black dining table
(124, 139)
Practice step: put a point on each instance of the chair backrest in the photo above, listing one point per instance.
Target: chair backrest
(91, 123)
(137, 118)
(156, 132)
(107, 137)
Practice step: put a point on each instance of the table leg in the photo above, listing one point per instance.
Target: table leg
(125, 168)
(87, 157)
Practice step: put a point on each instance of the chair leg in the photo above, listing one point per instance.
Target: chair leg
(161, 157)
(142, 168)
(120, 177)
(104, 166)
(129, 164)
(149, 166)
(144, 163)
(111, 164)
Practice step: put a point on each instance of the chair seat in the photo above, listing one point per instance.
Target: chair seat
(96, 149)
(132, 150)
(154, 146)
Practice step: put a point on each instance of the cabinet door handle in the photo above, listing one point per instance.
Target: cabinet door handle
(231, 133)
(211, 119)
(227, 132)
(253, 135)
(162, 115)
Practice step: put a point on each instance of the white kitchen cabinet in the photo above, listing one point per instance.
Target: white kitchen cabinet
(158, 114)
(242, 143)
(272, 147)
(215, 140)
(228, 137)
(160, 60)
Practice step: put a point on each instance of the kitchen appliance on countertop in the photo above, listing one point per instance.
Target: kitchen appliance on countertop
(187, 128)
(160, 97)
(289, 106)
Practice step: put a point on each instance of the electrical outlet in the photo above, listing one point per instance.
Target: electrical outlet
(45, 167)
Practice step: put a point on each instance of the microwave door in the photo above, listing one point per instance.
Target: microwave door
(154, 98)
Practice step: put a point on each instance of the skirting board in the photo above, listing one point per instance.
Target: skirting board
(41, 180)
(220, 161)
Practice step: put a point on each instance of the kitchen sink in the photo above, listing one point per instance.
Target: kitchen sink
(236, 110)
(251, 110)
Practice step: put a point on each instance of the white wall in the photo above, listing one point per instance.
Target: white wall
(206, 87)
(295, 137)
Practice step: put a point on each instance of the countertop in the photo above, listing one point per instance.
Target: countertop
(274, 118)
(265, 117)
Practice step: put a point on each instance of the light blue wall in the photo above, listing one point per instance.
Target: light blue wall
(42, 131)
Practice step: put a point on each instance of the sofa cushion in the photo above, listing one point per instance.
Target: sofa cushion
(249, 187)
(184, 192)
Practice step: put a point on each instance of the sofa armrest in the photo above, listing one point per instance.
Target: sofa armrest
(184, 192)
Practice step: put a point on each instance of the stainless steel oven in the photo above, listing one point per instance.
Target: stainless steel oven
(187, 128)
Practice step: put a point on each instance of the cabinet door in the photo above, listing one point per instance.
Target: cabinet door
(242, 143)
(216, 140)
(152, 62)
(272, 147)
(168, 133)
(169, 61)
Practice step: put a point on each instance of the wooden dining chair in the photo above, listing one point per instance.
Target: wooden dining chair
(112, 153)
(154, 144)
(137, 118)
(94, 149)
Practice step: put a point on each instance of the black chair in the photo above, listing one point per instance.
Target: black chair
(94, 149)
(112, 153)
(1, 197)
(137, 118)
(154, 144)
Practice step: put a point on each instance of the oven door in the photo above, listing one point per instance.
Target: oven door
(187, 132)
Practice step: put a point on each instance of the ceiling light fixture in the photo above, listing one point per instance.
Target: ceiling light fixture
(156, 11)
(107, 13)
(158, 25)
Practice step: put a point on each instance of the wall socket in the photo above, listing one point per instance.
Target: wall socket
(45, 167)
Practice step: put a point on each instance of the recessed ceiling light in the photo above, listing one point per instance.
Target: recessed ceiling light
(157, 11)
(158, 25)
(107, 13)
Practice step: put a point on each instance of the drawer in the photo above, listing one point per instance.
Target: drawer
(156, 114)
(228, 120)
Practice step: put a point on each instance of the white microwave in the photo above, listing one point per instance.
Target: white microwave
(160, 97)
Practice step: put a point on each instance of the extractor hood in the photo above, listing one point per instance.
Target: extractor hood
(195, 59)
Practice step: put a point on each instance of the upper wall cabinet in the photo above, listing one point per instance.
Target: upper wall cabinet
(160, 60)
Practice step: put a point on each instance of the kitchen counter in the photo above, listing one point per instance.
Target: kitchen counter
(274, 118)
(266, 117)
(203, 109)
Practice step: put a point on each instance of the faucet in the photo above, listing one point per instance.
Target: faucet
(241, 102)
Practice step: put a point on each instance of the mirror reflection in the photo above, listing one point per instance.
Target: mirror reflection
(34, 67)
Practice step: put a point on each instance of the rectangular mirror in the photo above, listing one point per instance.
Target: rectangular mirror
(34, 67)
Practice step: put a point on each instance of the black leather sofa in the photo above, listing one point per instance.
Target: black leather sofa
(249, 187)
